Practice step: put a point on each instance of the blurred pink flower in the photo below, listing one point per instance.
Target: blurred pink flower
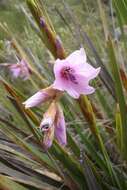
(53, 125)
(40, 97)
(20, 69)
(74, 73)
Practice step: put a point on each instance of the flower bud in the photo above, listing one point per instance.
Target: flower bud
(40, 97)
(53, 123)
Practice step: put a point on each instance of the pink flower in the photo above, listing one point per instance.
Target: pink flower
(20, 69)
(40, 97)
(53, 125)
(74, 73)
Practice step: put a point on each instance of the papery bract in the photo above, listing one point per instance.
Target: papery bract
(48, 138)
(74, 73)
(47, 125)
(49, 116)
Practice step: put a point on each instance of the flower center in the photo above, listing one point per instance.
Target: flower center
(68, 74)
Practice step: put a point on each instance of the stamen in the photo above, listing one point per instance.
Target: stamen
(68, 74)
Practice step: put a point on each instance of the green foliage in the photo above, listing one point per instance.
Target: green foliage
(95, 157)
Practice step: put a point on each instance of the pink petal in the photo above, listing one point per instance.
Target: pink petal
(77, 57)
(95, 73)
(72, 92)
(24, 73)
(88, 90)
(75, 93)
(59, 64)
(24, 70)
(81, 88)
(23, 63)
(60, 128)
(66, 86)
(20, 70)
(89, 71)
(15, 70)
(58, 84)
(76, 60)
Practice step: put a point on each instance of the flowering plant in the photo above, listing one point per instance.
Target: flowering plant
(33, 154)
(71, 75)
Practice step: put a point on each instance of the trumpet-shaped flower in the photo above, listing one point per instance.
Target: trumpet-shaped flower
(74, 73)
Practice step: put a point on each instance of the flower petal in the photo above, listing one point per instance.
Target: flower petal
(23, 63)
(66, 86)
(82, 88)
(58, 84)
(72, 92)
(20, 69)
(59, 64)
(15, 70)
(89, 71)
(95, 73)
(77, 57)
(88, 90)
(60, 128)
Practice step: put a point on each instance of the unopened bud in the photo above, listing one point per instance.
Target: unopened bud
(41, 96)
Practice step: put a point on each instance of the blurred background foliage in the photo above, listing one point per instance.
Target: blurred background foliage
(96, 154)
